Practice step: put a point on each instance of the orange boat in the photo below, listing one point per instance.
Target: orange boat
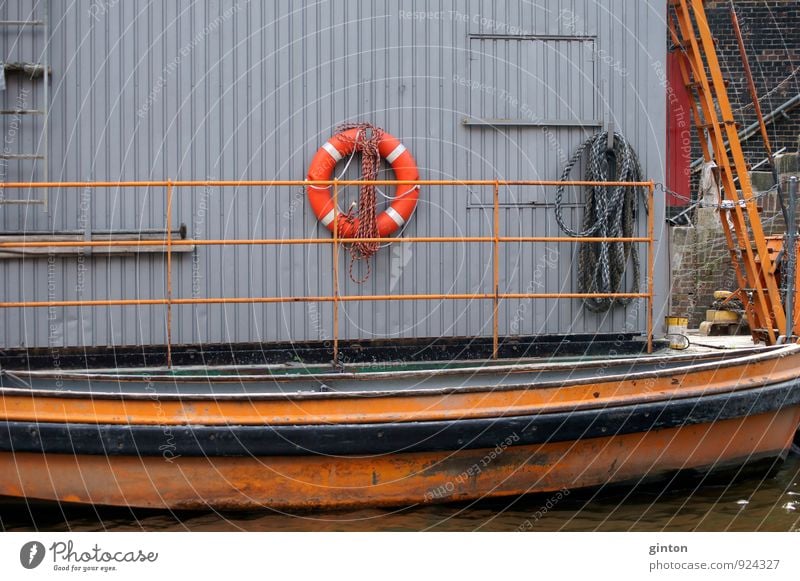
(317, 436)
(290, 437)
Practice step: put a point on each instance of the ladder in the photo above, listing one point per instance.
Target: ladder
(31, 71)
(713, 119)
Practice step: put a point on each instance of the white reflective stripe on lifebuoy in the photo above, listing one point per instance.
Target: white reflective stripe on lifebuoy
(396, 152)
(332, 151)
(328, 218)
(395, 215)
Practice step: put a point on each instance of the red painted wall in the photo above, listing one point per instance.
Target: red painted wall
(679, 134)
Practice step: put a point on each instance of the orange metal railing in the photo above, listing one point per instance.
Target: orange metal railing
(495, 296)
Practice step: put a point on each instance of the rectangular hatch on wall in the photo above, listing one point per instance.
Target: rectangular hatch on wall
(532, 80)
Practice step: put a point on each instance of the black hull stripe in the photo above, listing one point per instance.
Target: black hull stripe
(387, 438)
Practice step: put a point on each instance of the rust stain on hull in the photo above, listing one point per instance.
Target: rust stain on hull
(315, 482)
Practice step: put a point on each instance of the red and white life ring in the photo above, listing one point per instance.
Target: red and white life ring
(323, 165)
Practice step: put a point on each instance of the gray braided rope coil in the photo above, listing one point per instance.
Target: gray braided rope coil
(609, 212)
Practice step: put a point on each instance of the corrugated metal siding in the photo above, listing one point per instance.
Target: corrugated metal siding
(247, 90)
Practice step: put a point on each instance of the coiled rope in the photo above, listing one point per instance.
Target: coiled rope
(609, 212)
(366, 143)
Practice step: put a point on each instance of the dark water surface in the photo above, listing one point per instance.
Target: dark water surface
(761, 499)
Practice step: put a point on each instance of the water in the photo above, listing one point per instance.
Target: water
(762, 499)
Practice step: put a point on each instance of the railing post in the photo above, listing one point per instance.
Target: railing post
(336, 271)
(496, 267)
(169, 273)
(791, 255)
(650, 263)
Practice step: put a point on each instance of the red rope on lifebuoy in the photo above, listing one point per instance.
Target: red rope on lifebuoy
(373, 143)
(366, 143)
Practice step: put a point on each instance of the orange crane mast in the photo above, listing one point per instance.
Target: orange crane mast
(755, 258)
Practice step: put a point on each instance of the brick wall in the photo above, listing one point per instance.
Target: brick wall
(771, 31)
(700, 260)
(701, 264)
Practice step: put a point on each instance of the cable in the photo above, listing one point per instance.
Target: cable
(721, 347)
(609, 212)
(687, 342)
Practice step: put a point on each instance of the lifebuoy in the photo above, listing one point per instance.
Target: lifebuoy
(323, 165)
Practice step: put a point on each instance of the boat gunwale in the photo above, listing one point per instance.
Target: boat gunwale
(423, 436)
(486, 366)
(761, 356)
(377, 375)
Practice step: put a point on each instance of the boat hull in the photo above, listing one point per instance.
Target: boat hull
(323, 482)
(534, 429)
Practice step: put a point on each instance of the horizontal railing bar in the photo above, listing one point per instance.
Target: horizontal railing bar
(21, 202)
(574, 295)
(21, 22)
(244, 183)
(294, 241)
(320, 299)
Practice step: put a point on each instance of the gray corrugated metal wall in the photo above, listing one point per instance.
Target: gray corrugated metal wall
(232, 89)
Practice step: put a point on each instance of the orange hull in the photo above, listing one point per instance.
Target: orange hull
(548, 427)
(400, 479)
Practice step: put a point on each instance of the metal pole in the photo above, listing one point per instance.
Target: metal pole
(46, 99)
(650, 265)
(335, 272)
(316, 299)
(278, 183)
(791, 263)
(496, 268)
(303, 241)
(169, 273)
